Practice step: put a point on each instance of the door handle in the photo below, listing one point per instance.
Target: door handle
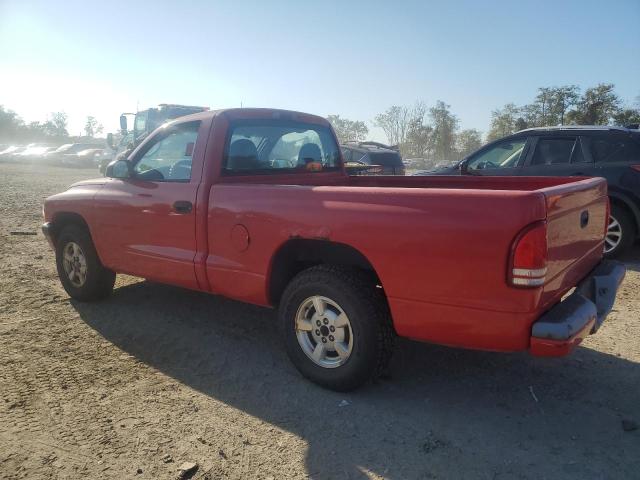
(183, 206)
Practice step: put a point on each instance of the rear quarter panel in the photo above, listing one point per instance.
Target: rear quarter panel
(441, 254)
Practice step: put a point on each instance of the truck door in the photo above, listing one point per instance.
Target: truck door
(145, 224)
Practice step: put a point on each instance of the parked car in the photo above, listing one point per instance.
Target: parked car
(609, 152)
(84, 158)
(58, 155)
(9, 153)
(381, 159)
(205, 203)
(33, 152)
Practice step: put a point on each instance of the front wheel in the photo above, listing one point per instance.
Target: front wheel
(336, 327)
(80, 271)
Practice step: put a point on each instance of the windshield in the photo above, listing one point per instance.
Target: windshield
(502, 155)
(140, 124)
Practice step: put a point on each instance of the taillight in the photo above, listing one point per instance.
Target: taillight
(636, 167)
(528, 265)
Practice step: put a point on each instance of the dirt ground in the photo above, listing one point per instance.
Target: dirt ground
(133, 386)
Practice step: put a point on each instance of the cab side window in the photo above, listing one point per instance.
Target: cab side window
(169, 158)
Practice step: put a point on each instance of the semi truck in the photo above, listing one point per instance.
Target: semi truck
(144, 122)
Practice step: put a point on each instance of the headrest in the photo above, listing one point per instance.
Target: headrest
(243, 148)
(243, 155)
(310, 152)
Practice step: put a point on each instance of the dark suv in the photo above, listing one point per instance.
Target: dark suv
(609, 152)
(383, 159)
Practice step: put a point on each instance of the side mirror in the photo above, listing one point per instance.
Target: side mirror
(123, 124)
(118, 169)
(110, 141)
(463, 167)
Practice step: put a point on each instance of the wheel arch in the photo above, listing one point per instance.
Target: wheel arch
(61, 220)
(298, 254)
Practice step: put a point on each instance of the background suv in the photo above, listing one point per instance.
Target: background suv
(609, 152)
(372, 153)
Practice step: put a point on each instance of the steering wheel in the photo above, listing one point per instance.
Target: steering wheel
(486, 164)
(180, 170)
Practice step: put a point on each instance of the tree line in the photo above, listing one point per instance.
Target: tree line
(433, 133)
(565, 105)
(55, 129)
(419, 131)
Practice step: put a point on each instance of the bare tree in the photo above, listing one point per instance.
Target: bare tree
(395, 123)
(92, 127)
(56, 125)
(405, 127)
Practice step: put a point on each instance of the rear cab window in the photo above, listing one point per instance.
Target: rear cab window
(277, 146)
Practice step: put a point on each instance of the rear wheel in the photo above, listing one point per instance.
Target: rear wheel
(336, 327)
(80, 271)
(621, 232)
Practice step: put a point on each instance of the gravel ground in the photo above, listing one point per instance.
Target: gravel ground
(155, 376)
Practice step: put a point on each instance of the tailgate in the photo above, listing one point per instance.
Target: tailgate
(576, 220)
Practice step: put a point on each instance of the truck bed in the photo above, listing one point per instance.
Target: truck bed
(440, 245)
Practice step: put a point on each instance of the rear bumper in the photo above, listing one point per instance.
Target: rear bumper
(561, 329)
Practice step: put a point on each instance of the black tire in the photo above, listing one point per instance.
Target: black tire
(627, 229)
(99, 280)
(368, 313)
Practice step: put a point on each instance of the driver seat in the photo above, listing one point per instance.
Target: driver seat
(243, 155)
(309, 153)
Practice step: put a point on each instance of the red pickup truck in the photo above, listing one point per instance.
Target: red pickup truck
(254, 204)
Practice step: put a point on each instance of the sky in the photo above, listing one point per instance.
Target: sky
(352, 58)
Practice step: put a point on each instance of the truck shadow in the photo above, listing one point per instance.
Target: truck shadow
(442, 413)
(631, 258)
